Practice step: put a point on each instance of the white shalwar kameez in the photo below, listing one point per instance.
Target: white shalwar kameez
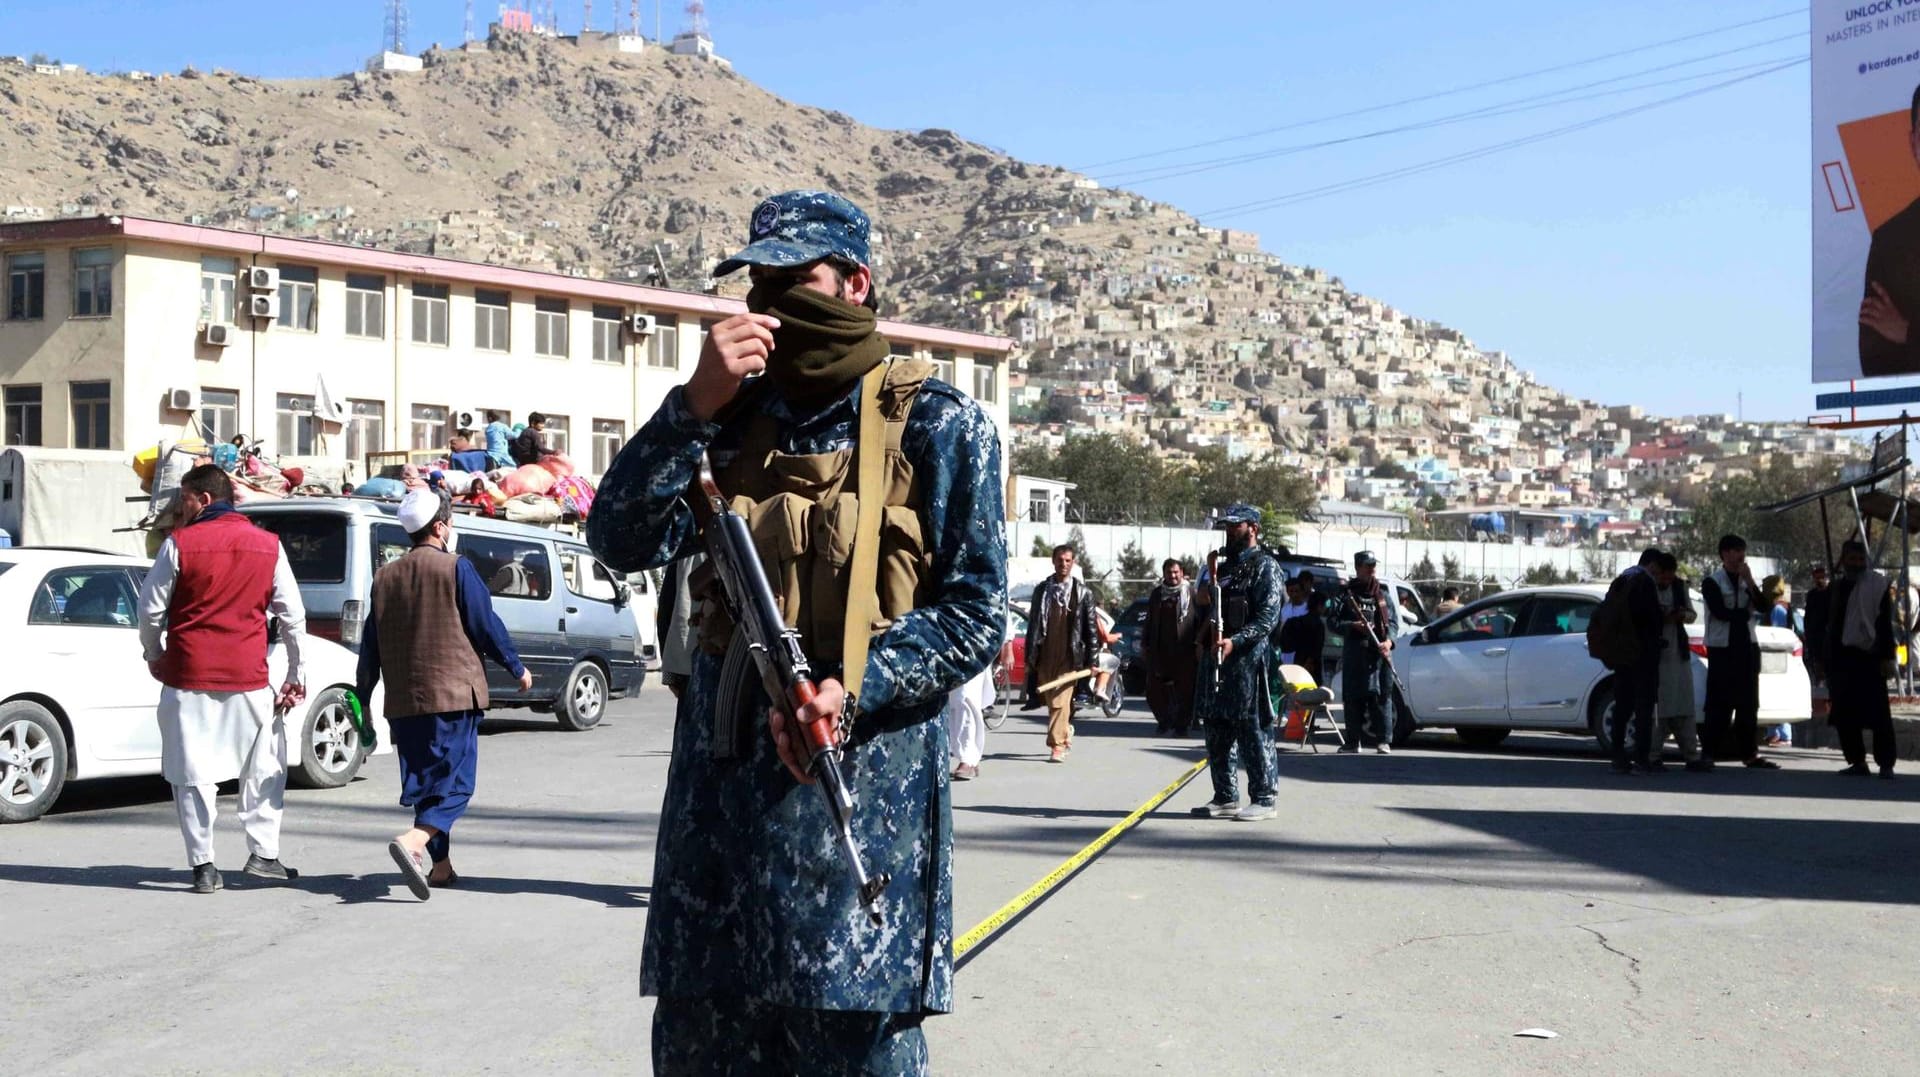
(967, 719)
(211, 737)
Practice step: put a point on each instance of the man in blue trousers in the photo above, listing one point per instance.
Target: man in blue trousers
(432, 622)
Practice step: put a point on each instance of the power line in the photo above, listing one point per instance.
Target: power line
(1358, 182)
(1449, 92)
(1549, 99)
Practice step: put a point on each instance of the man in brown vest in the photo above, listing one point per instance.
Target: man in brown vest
(432, 622)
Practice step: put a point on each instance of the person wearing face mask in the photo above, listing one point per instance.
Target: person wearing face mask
(1237, 706)
(432, 623)
(755, 944)
(214, 583)
(1860, 651)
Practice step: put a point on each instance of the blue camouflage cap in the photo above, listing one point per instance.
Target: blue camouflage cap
(1237, 513)
(797, 227)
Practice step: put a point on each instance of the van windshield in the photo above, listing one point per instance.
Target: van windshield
(316, 543)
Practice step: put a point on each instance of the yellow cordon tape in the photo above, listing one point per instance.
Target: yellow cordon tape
(1011, 909)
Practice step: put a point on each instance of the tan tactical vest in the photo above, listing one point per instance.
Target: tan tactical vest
(801, 510)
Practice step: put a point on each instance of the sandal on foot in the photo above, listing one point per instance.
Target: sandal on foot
(410, 869)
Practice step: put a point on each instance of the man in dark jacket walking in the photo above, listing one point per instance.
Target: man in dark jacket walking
(1636, 684)
(1063, 638)
(1168, 643)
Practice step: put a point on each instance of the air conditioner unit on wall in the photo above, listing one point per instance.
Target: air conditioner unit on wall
(640, 325)
(217, 334)
(183, 399)
(263, 279)
(264, 306)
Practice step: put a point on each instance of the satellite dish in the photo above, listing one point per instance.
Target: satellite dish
(293, 192)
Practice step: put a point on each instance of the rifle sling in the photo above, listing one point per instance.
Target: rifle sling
(863, 577)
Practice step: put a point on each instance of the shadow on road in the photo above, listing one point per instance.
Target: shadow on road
(350, 889)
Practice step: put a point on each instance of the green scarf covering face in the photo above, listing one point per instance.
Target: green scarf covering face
(823, 344)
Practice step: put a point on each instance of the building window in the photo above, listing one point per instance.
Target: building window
(219, 414)
(26, 287)
(430, 314)
(22, 414)
(984, 389)
(217, 283)
(550, 327)
(606, 334)
(299, 291)
(1039, 507)
(556, 433)
(92, 414)
(608, 436)
(293, 424)
(943, 365)
(490, 310)
(93, 282)
(899, 350)
(430, 427)
(367, 305)
(366, 428)
(663, 347)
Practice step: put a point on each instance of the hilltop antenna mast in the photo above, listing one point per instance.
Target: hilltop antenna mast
(396, 26)
(697, 18)
(468, 26)
(586, 18)
(633, 18)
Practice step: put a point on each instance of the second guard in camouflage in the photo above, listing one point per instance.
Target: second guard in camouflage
(1239, 713)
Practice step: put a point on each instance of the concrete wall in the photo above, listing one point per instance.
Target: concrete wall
(55, 351)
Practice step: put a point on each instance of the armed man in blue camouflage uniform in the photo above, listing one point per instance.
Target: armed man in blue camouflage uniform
(756, 944)
(1239, 713)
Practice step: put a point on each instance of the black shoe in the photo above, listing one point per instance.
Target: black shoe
(1887, 773)
(1758, 763)
(1700, 766)
(1349, 748)
(1622, 768)
(261, 868)
(1857, 770)
(206, 879)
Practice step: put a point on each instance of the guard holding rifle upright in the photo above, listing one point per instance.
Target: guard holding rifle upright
(762, 948)
(1237, 706)
(1369, 623)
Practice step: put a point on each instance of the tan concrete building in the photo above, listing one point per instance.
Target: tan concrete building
(118, 331)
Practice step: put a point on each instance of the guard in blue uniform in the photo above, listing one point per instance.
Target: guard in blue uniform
(756, 944)
(1239, 713)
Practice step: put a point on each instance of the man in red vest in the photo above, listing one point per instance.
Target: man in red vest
(214, 583)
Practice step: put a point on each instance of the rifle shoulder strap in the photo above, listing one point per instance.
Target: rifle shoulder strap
(863, 578)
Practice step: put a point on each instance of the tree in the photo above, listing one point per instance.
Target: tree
(1543, 574)
(1596, 565)
(1436, 503)
(1425, 579)
(1137, 573)
(1793, 538)
(1090, 571)
(1041, 547)
(1391, 469)
(1450, 570)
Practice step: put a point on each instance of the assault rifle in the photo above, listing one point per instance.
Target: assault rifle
(1217, 617)
(784, 671)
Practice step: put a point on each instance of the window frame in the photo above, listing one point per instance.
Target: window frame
(98, 274)
(561, 425)
(99, 421)
(473, 543)
(613, 433)
(545, 320)
(294, 424)
(35, 407)
(294, 285)
(37, 613)
(1522, 603)
(608, 347)
(360, 423)
(416, 424)
(34, 286)
(211, 431)
(499, 320)
(991, 374)
(422, 297)
(367, 294)
(212, 278)
(1544, 602)
(663, 346)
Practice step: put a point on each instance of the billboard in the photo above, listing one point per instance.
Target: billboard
(1866, 189)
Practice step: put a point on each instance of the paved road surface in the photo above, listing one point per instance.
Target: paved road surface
(1404, 915)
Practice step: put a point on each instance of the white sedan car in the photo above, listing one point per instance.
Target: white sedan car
(77, 702)
(1518, 660)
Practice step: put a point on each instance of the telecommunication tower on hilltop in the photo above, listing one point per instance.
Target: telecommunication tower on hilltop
(697, 19)
(396, 37)
(467, 27)
(695, 40)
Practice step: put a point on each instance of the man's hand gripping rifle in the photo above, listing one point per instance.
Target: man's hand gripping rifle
(784, 671)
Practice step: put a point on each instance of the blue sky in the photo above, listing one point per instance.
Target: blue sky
(1660, 259)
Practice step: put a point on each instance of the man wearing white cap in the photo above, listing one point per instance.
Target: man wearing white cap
(432, 623)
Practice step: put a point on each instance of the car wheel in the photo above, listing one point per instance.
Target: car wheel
(330, 748)
(1484, 736)
(33, 761)
(584, 702)
(1600, 717)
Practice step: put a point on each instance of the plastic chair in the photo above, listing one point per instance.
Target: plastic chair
(1303, 694)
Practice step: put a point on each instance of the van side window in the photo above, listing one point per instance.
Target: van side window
(512, 569)
(586, 577)
(316, 543)
(390, 544)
